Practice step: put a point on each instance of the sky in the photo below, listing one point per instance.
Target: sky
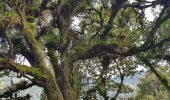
(149, 17)
(148, 14)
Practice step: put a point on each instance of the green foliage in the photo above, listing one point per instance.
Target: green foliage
(30, 29)
(50, 41)
(30, 19)
(43, 96)
(129, 29)
(8, 18)
(164, 30)
(113, 86)
(150, 88)
(33, 4)
(75, 81)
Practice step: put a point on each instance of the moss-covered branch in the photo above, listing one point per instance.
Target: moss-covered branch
(23, 69)
(62, 74)
(98, 51)
(29, 31)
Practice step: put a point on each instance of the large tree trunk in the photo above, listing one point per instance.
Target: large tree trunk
(50, 85)
(51, 89)
(63, 73)
(64, 81)
(63, 91)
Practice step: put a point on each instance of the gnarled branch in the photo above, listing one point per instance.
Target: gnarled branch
(23, 69)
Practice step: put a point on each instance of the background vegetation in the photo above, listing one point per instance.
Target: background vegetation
(84, 49)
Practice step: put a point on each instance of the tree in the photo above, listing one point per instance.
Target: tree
(112, 34)
(151, 88)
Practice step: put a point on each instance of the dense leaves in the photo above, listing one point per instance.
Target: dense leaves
(84, 49)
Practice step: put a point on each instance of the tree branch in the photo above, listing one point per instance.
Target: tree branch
(121, 82)
(164, 80)
(135, 50)
(6, 64)
(19, 86)
(159, 21)
(98, 51)
(114, 51)
(164, 57)
(152, 4)
(115, 8)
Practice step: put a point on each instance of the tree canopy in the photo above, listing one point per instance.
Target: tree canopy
(82, 49)
(150, 88)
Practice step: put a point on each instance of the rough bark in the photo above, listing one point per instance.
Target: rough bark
(50, 85)
(51, 89)
(63, 73)
(65, 87)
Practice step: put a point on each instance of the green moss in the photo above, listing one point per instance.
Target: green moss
(11, 14)
(64, 37)
(75, 81)
(43, 95)
(9, 18)
(30, 30)
(30, 26)
(30, 19)
(22, 69)
(36, 72)
(77, 51)
(36, 4)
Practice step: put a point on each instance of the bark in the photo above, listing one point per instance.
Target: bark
(64, 84)
(63, 70)
(51, 87)
(62, 73)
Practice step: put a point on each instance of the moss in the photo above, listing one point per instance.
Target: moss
(36, 4)
(22, 69)
(64, 37)
(30, 27)
(75, 81)
(77, 51)
(11, 15)
(43, 95)
(36, 72)
(30, 32)
(30, 19)
(8, 18)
